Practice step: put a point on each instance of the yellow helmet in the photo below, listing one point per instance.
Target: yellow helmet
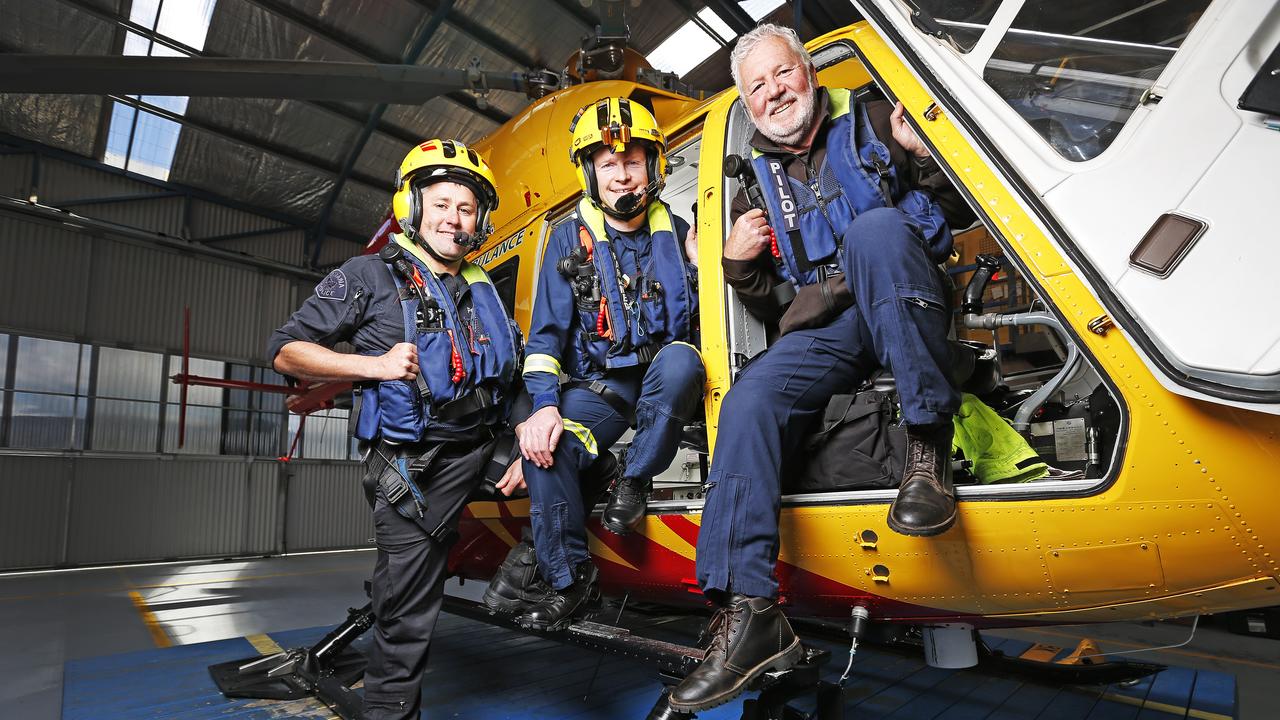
(614, 122)
(436, 160)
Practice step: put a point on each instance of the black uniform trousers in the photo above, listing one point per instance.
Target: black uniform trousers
(408, 578)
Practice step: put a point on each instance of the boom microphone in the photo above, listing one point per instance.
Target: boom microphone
(462, 237)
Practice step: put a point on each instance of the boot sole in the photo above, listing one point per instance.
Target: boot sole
(927, 531)
(782, 661)
(588, 609)
(619, 530)
(497, 603)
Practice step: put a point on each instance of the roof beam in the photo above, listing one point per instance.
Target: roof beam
(305, 159)
(738, 20)
(419, 44)
(22, 145)
(483, 36)
(574, 11)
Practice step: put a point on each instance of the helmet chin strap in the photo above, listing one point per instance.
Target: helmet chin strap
(629, 205)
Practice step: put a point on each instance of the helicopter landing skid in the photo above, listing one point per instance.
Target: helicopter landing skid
(1079, 668)
(675, 661)
(324, 671)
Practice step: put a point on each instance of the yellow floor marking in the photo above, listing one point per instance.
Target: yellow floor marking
(158, 634)
(264, 644)
(1174, 651)
(1164, 707)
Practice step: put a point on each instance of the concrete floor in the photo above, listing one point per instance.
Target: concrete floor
(47, 619)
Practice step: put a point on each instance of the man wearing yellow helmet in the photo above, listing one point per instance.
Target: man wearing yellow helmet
(616, 312)
(436, 356)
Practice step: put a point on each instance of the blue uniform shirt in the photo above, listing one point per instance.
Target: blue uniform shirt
(358, 303)
(555, 322)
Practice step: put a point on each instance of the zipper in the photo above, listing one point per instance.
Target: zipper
(815, 186)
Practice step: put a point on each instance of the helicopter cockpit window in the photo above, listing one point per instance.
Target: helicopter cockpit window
(1076, 71)
(963, 20)
(681, 190)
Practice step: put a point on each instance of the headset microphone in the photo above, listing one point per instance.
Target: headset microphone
(461, 237)
(628, 205)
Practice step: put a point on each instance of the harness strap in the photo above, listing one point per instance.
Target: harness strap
(615, 401)
(459, 408)
(863, 128)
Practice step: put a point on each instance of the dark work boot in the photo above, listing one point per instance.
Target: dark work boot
(559, 607)
(745, 639)
(926, 501)
(626, 506)
(517, 586)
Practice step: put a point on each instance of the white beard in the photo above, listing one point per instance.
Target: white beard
(788, 134)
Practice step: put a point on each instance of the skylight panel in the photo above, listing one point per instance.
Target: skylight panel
(138, 140)
(690, 44)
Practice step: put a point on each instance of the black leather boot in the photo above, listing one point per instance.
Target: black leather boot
(926, 501)
(745, 639)
(556, 610)
(517, 586)
(626, 506)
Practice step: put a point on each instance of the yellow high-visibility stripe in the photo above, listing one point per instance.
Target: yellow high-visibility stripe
(584, 435)
(841, 101)
(474, 274)
(691, 346)
(541, 363)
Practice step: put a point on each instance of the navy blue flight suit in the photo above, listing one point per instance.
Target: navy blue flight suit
(360, 303)
(659, 378)
(873, 223)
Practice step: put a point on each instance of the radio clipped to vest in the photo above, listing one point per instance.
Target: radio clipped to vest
(578, 268)
(736, 167)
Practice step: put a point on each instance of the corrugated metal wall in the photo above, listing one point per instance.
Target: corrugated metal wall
(117, 292)
(72, 509)
(61, 511)
(317, 513)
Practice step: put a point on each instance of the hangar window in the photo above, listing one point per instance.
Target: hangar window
(126, 404)
(50, 388)
(204, 411)
(1076, 71)
(143, 134)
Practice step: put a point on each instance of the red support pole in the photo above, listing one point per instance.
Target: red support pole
(186, 372)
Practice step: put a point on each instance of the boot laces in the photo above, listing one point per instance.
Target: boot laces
(631, 489)
(716, 635)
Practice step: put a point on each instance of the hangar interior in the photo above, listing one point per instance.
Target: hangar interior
(146, 236)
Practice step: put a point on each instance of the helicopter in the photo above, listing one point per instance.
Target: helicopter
(1106, 366)
(1114, 158)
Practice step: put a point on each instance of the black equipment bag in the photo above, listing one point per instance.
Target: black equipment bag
(858, 447)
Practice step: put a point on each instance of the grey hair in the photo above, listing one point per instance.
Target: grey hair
(748, 42)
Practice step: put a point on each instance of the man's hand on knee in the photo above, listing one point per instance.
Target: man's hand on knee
(513, 479)
(539, 436)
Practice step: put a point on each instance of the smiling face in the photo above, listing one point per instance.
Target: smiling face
(620, 173)
(778, 89)
(447, 207)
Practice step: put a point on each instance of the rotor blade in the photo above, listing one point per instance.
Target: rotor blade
(237, 77)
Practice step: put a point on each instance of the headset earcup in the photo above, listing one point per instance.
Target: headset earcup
(415, 209)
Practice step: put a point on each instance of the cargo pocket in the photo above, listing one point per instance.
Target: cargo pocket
(401, 411)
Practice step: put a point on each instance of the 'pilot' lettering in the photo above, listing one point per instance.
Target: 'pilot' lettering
(786, 199)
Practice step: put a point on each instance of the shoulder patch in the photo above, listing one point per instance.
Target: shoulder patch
(333, 287)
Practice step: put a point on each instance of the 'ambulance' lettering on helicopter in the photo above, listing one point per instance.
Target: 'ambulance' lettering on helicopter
(784, 194)
(501, 249)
